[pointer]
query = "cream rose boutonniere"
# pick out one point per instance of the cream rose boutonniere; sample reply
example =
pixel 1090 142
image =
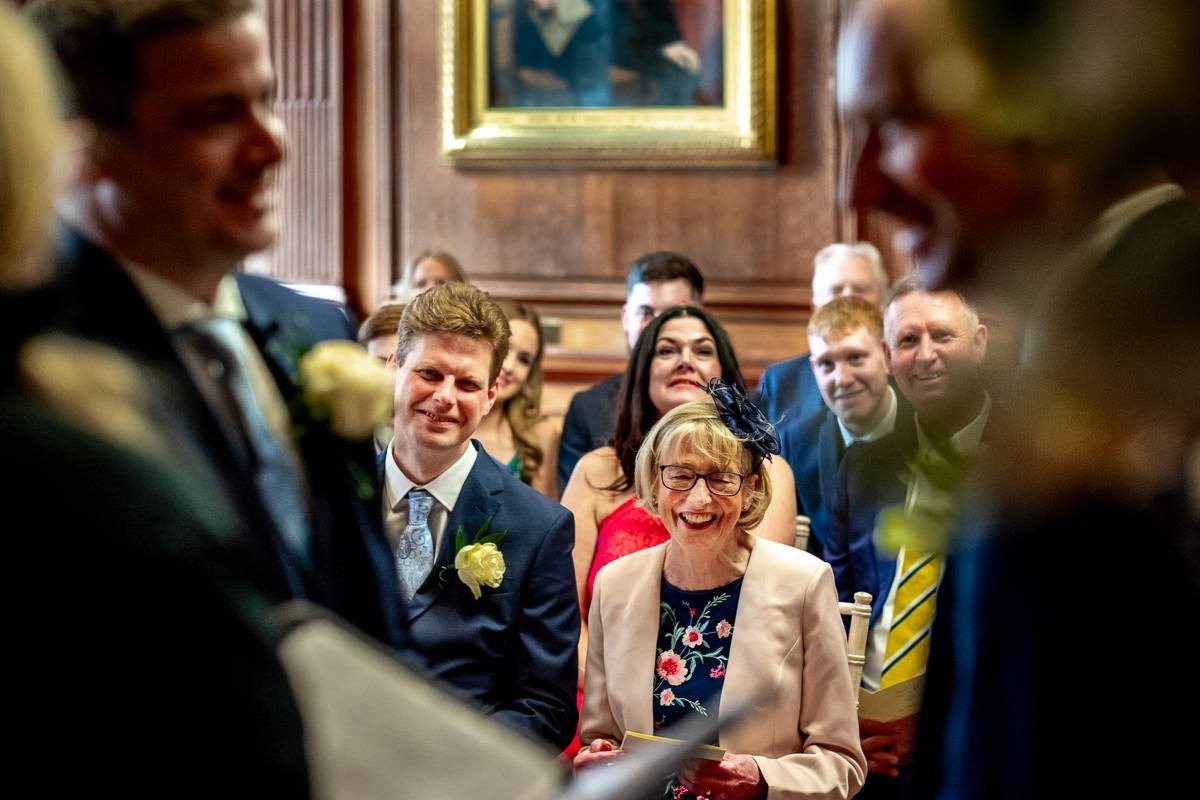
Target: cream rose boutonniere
pixel 479 563
pixel 347 387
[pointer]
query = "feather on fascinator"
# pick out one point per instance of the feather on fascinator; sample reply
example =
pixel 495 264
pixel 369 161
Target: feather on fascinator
pixel 744 419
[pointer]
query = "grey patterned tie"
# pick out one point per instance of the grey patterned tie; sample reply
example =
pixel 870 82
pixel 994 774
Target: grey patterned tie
pixel 221 340
pixel 414 552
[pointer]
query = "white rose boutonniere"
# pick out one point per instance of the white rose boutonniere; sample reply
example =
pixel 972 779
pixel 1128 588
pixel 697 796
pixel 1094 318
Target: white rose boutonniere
pixel 479 563
pixel 345 385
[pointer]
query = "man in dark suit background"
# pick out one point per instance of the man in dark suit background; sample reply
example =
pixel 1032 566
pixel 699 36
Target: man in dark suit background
pixel 655 282
pixel 1049 188
pixel 845 340
pixel 173 191
pixel 787 391
pixel 500 628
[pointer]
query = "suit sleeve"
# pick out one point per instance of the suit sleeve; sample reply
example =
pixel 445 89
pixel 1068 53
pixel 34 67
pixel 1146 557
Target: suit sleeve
pixel 545 669
pixel 837 545
pixel 575 441
pixel 597 720
pixel 764 393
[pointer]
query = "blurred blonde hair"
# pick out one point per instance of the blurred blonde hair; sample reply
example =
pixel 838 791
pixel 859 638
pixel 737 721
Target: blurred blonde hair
pixel 29 135
pixel 404 287
pixel 696 427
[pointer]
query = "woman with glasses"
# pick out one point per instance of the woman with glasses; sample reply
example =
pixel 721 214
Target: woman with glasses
pixel 716 620
pixel 674 358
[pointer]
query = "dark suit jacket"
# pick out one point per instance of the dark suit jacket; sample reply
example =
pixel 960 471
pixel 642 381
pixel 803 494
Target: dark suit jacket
pixel 350 551
pixel 872 475
pixel 140 621
pixel 514 650
pixel 587 425
pixel 813 448
pixel 787 391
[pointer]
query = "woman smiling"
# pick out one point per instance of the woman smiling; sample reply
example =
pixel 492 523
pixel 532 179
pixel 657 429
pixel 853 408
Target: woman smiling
pixel 716 616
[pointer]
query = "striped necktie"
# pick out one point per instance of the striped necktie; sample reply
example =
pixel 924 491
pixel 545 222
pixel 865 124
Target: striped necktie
pixel 908 639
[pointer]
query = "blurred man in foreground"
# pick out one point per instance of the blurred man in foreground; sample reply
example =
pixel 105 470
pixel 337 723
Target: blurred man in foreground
pixel 1024 144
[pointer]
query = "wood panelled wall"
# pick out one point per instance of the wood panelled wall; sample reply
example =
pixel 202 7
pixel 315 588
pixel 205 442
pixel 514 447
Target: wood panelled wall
pixel 366 188
pixel 306 48
pixel 563 238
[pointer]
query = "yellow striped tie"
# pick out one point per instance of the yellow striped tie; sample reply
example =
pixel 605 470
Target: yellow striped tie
pixel 908 639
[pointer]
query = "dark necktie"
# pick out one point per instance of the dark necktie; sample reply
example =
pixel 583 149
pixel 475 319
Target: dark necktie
pixel 222 341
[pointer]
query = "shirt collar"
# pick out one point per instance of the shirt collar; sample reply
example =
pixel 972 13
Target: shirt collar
pixel 885 426
pixel 445 488
pixel 967 440
pixel 174 307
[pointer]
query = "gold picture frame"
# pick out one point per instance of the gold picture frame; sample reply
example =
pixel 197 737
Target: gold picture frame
pixel 740 131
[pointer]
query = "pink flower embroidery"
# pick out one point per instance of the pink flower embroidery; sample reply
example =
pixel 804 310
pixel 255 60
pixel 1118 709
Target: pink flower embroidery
pixel 717 672
pixel 691 613
pixel 678 792
pixel 671 668
pixel 666 698
pixel 724 629
pixel 692 637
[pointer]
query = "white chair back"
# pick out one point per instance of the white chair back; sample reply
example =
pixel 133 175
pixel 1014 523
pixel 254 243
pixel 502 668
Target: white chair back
pixel 859 613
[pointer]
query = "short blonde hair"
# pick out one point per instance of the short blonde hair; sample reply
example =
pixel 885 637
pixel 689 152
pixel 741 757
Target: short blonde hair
pixel 29 137
pixel 455 308
pixel 696 427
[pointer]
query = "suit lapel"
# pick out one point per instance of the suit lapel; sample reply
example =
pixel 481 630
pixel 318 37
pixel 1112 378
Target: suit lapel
pixel 267 331
pixel 480 498
pixel 642 619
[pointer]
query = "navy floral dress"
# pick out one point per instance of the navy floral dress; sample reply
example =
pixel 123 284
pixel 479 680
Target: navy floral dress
pixel 695 633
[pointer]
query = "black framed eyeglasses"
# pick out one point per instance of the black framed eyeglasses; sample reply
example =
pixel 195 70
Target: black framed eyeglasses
pixel 679 478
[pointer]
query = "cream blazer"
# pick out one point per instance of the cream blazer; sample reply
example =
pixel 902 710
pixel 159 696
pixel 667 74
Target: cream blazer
pixel 788 657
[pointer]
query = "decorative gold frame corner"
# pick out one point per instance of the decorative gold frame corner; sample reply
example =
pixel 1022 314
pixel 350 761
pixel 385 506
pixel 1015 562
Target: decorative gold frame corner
pixel 742 133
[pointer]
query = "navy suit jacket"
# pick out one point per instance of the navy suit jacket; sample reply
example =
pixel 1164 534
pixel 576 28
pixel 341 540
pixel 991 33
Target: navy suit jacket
pixel 813 448
pixel 513 651
pixel 787 391
pixel 350 552
pixel 161 602
pixel 872 475
pixel 587 425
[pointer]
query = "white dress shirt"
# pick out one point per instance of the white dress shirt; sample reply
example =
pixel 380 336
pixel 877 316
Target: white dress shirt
pixel 445 489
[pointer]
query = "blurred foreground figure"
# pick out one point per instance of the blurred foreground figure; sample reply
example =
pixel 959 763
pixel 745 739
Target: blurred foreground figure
pixel 1041 153
pixel 145 661
pixel 175 189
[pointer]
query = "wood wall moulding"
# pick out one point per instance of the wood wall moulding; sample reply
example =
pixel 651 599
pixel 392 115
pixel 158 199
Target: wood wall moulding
pixel 573 291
